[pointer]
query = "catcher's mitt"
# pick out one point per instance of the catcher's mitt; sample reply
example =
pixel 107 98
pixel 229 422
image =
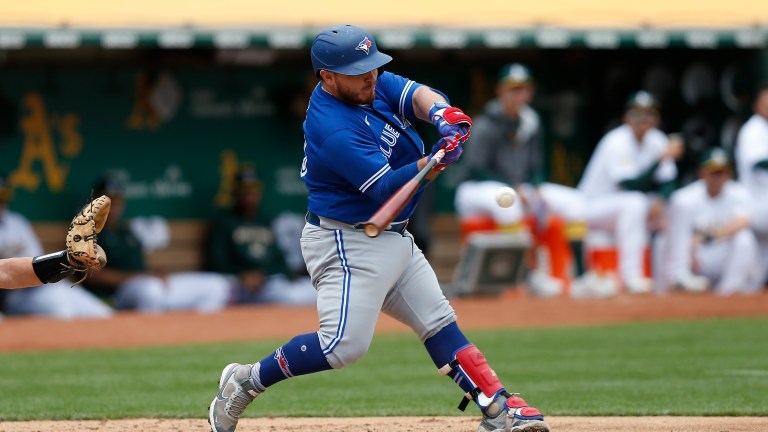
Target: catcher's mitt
pixel 83 253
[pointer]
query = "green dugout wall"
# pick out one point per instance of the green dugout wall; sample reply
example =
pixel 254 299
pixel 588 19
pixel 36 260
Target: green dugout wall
pixel 176 137
pixel 176 122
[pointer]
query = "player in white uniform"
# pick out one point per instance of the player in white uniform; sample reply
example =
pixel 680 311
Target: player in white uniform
pixel 709 241
pixel 631 169
pixel 752 170
pixel 58 299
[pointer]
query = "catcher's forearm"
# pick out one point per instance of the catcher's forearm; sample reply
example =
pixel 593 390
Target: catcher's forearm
pixel 52 267
pixel 17 273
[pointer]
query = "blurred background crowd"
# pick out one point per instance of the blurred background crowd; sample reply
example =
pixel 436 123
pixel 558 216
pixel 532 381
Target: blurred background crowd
pixel 637 145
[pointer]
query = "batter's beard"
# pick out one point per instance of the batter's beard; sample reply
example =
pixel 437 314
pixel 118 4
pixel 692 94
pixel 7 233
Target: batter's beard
pixel 355 98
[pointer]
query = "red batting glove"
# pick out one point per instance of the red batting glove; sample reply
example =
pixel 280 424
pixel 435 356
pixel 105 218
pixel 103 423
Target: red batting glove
pixel 450 122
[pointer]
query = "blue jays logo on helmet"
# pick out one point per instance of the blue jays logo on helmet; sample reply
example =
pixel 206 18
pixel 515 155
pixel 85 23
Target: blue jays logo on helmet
pixel 347 50
pixel 364 45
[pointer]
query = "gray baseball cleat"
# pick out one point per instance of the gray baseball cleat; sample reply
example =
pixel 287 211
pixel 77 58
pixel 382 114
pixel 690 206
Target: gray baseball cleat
pixel 236 391
pixel 510 413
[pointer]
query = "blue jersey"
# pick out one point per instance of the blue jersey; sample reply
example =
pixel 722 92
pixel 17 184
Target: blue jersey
pixel 348 148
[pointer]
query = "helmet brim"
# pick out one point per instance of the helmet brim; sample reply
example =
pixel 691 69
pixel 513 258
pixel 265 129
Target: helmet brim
pixel 374 61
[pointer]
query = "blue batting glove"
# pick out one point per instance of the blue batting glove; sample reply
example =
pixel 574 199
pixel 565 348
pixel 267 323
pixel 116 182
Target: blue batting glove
pixel 450 122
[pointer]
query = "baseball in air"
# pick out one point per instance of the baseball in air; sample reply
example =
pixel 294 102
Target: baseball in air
pixel 506 196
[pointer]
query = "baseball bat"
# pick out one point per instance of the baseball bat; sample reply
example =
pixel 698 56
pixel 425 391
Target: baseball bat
pixel 397 202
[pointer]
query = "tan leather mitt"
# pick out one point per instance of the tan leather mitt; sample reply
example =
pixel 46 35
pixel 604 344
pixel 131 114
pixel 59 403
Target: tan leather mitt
pixel 83 253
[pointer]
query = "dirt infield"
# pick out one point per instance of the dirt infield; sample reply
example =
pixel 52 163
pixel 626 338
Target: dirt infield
pixel 130 329
pixel 403 424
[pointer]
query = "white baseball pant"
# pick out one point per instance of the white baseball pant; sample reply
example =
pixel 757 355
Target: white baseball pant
pixel 200 291
pixel 625 215
pixel 730 263
pixel 475 198
pixel 357 277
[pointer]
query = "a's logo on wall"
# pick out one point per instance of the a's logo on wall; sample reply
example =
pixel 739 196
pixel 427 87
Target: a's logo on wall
pixel 40 149
pixel 227 171
pixel 364 46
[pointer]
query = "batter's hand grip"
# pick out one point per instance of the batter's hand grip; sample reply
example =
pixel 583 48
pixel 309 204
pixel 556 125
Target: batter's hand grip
pixel 397 202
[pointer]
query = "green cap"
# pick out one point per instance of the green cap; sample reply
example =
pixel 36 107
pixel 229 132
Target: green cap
pixel 642 100
pixel 246 178
pixel 715 159
pixel 515 75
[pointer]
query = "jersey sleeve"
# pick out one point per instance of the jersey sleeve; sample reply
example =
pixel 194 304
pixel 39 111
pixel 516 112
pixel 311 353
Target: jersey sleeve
pixel 752 148
pixel 538 171
pixel 667 170
pixel 398 92
pixel 609 159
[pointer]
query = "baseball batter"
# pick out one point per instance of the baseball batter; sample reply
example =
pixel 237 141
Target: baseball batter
pixel 709 241
pixel 360 147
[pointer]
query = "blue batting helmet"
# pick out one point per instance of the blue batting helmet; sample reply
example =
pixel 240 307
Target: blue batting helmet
pixel 347 50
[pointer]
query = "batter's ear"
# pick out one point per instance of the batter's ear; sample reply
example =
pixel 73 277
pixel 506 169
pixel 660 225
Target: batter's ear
pixel 325 75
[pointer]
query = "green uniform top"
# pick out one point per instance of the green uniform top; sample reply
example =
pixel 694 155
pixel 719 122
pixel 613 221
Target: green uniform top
pixel 124 253
pixel 239 244
pixel 123 248
pixel 506 150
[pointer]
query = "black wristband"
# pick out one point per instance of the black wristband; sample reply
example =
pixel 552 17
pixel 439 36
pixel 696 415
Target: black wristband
pixel 52 267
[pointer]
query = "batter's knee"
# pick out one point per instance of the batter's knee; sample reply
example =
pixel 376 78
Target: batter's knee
pixel 447 319
pixel 346 353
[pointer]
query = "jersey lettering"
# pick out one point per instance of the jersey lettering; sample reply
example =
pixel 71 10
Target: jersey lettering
pixel 304 162
pixel 389 135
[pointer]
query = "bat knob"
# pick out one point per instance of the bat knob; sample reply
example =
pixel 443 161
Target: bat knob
pixel 371 230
